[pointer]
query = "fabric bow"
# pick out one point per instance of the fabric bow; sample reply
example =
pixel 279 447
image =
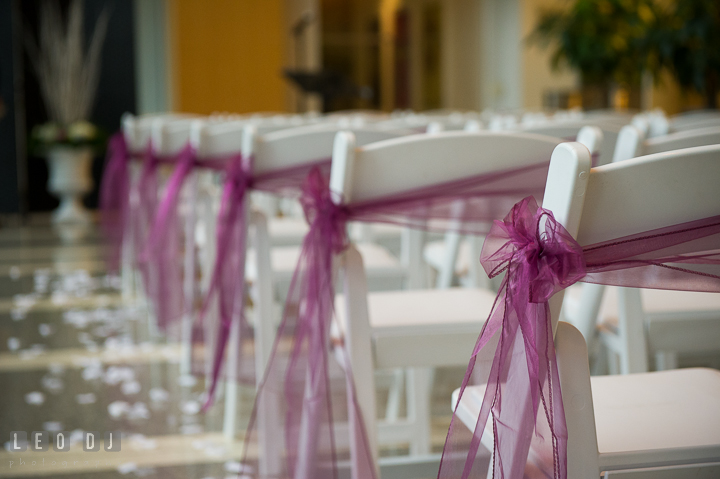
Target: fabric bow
pixel 540 258
pixel 325 217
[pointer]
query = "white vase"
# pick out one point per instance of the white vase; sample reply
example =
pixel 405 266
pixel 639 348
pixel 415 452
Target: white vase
pixel 70 180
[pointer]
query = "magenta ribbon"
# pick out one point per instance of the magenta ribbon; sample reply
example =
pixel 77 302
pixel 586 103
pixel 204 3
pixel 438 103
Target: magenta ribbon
pixel 161 251
pixel 303 378
pixel 228 277
pixel 114 197
pixel 310 449
pixel 227 281
pixel 541 258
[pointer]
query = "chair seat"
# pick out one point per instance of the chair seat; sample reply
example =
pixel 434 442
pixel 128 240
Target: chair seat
pixel 666 417
pixel 680 321
pixel 435 327
pixel 434 254
pixel 655 418
pixel 378 262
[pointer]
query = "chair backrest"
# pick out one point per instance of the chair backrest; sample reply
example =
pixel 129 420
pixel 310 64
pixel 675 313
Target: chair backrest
pixel 403 164
pixel 170 137
pixel 631 145
pixel 705 122
pixel 297 146
pixel 682 139
pixel 694 116
pixel 213 140
pixel 138 130
pixel 570 129
pixel 636 195
pixel 609 202
pixel 584 317
pixel 659 125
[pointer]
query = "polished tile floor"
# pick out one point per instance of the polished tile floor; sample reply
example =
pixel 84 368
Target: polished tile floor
pixel 74 357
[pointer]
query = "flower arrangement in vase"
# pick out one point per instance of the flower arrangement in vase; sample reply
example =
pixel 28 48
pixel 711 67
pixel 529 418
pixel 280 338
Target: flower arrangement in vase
pixel 68 75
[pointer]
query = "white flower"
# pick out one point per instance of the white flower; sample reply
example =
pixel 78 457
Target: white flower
pixel 35 398
pixel 81 131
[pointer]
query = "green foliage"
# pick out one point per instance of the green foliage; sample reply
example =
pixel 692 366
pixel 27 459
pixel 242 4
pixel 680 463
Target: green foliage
pixel 616 40
pixel 689 44
pixel 77 134
pixel 604 39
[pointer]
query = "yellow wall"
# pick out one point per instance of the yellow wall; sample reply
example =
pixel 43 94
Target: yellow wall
pixel 227 55
pixel 538 76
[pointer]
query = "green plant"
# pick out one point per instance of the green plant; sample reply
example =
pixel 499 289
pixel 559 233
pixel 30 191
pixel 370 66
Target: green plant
pixel 605 40
pixel 77 134
pixel 688 43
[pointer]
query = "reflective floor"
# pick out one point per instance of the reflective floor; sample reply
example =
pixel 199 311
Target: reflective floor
pixel 74 356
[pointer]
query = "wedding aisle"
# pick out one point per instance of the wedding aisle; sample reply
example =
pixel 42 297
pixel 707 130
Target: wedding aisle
pixel 75 356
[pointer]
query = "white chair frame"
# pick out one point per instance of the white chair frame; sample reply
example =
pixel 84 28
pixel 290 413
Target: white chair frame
pixel 642 420
pixel 390 166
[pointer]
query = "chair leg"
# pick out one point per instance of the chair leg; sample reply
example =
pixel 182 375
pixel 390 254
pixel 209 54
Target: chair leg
pixel 447 271
pixel 392 411
pixel 231 387
pixel 477 276
pixel 599 358
pixel 412 250
pixel 127 269
pixel 613 362
pixel 665 360
pixel 418 408
pixel 632 331
pixel 269 435
pixel 189 279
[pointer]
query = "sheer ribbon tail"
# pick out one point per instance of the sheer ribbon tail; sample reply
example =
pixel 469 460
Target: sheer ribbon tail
pixel 115 198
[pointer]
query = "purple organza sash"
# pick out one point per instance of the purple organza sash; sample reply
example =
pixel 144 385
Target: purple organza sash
pixel 301 371
pixel 227 281
pixel 160 252
pixel 523 397
pixel 228 277
pixel 115 197
pixel 118 212
pixel 540 259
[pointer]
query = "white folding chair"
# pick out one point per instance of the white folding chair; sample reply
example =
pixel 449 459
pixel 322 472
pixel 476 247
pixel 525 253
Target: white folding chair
pixel 312 144
pixel 455 257
pixel 681 139
pixel 137 131
pixel 633 421
pixel 271 152
pixel 637 324
pixel 696 121
pixel 417 329
pixel 569 129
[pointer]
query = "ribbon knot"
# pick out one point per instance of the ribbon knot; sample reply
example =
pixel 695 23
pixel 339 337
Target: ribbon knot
pixel 237 178
pixel 541 257
pixel 324 215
